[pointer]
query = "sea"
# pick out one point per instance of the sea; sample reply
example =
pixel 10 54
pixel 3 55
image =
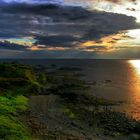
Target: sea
pixel 117 80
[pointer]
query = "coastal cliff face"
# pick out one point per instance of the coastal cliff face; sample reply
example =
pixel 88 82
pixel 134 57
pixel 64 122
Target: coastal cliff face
pixel 51 103
pixel 17 82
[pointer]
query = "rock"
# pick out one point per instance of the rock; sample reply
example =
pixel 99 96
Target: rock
pixel 108 81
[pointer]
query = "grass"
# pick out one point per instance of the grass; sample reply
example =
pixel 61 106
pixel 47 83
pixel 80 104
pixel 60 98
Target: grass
pixel 17 82
pixel 10 127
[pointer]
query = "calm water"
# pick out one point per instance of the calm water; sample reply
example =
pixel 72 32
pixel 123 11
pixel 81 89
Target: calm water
pixel 124 77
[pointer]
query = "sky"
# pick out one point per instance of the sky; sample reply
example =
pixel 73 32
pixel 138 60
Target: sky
pixel 93 29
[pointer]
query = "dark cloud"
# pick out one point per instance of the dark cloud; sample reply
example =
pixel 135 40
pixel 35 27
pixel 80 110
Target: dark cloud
pixel 58 26
pixel 24 20
pixel 57 40
pixel 110 23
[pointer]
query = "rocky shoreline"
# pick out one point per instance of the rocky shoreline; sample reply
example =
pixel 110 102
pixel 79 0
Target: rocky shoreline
pixel 59 107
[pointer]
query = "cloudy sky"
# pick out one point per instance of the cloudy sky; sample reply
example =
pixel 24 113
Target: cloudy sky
pixel 70 29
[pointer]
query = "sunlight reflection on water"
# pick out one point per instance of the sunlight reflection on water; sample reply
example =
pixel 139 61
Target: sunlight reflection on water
pixel 135 89
pixel 136 65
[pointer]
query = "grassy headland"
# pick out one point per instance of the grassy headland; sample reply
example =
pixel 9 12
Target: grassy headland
pixel 17 83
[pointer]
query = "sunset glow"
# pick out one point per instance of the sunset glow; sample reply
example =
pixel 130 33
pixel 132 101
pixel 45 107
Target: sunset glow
pixel 70 69
pixel 136 65
pixel 98 29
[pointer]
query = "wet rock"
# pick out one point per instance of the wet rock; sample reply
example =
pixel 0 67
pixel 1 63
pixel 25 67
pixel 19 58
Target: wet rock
pixel 108 81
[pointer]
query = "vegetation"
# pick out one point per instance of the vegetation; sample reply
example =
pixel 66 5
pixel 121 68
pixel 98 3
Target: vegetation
pixel 10 127
pixel 13 75
pixel 16 82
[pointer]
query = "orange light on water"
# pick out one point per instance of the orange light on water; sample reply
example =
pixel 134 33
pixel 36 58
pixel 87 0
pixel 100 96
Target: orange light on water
pixel 134 89
pixel 136 65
